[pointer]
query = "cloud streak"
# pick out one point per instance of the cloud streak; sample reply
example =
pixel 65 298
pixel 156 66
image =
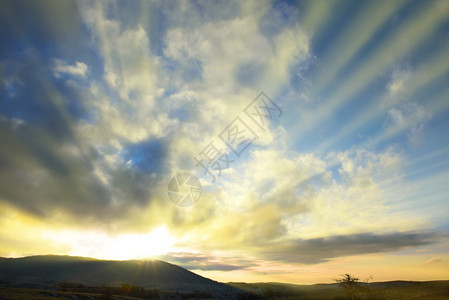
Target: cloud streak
pixel 320 250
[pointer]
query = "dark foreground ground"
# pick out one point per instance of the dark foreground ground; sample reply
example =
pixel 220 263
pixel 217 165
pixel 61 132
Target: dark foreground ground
pixel 431 290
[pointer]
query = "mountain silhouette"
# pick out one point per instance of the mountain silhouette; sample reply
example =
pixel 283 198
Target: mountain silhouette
pixel 151 274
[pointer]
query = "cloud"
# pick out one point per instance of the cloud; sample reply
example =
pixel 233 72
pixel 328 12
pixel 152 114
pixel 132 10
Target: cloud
pixel 207 262
pixel 13 123
pixel 57 164
pixel 411 117
pixel 275 198
pixel 254 62
pixel 214 267
pixel 353 38
pixel 399 84
pixel 55 24
pixel 400 41
pixel 319 250
pixel 434 261
pixel 50 175
pixel 77 69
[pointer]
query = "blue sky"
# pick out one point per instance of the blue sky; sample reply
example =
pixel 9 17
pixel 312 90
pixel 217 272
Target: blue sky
pixel 102 103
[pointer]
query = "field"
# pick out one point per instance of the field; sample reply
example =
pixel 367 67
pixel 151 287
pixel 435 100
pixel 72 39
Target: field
pixel 431 290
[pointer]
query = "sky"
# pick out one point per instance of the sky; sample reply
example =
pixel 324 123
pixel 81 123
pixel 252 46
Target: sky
pixel 257 141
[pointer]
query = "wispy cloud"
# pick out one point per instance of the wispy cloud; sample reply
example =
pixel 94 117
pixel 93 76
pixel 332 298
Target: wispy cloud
pixel 434 261
pixel 77 69
pixel 411 117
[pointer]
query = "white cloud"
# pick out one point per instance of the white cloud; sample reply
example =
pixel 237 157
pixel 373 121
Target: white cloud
pixel 217 48
pixel 398 84
pixel 401 86
pixel 77 69
pixel 131 72
pixel 278 196
pixel 411 117
pixel 237 62
pixel 404 113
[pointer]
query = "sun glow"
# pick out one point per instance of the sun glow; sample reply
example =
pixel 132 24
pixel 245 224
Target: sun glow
pixel 119 247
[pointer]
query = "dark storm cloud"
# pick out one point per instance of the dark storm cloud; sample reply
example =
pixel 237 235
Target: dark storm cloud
pixel 53 25
pixel 36 99
pixel 39 174
pixel 320 250
pixel 46 165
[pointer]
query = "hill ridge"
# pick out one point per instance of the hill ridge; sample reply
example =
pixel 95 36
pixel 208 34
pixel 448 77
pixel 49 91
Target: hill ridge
pixel 148 273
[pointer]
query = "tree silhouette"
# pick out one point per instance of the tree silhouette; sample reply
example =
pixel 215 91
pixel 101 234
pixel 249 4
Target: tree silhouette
pixel 349 283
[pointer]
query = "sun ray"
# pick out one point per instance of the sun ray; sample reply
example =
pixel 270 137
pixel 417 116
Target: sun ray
pixel 399 43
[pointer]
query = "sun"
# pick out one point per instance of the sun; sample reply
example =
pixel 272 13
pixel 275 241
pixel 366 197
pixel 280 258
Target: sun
pixel 117 247
pixel 130 246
